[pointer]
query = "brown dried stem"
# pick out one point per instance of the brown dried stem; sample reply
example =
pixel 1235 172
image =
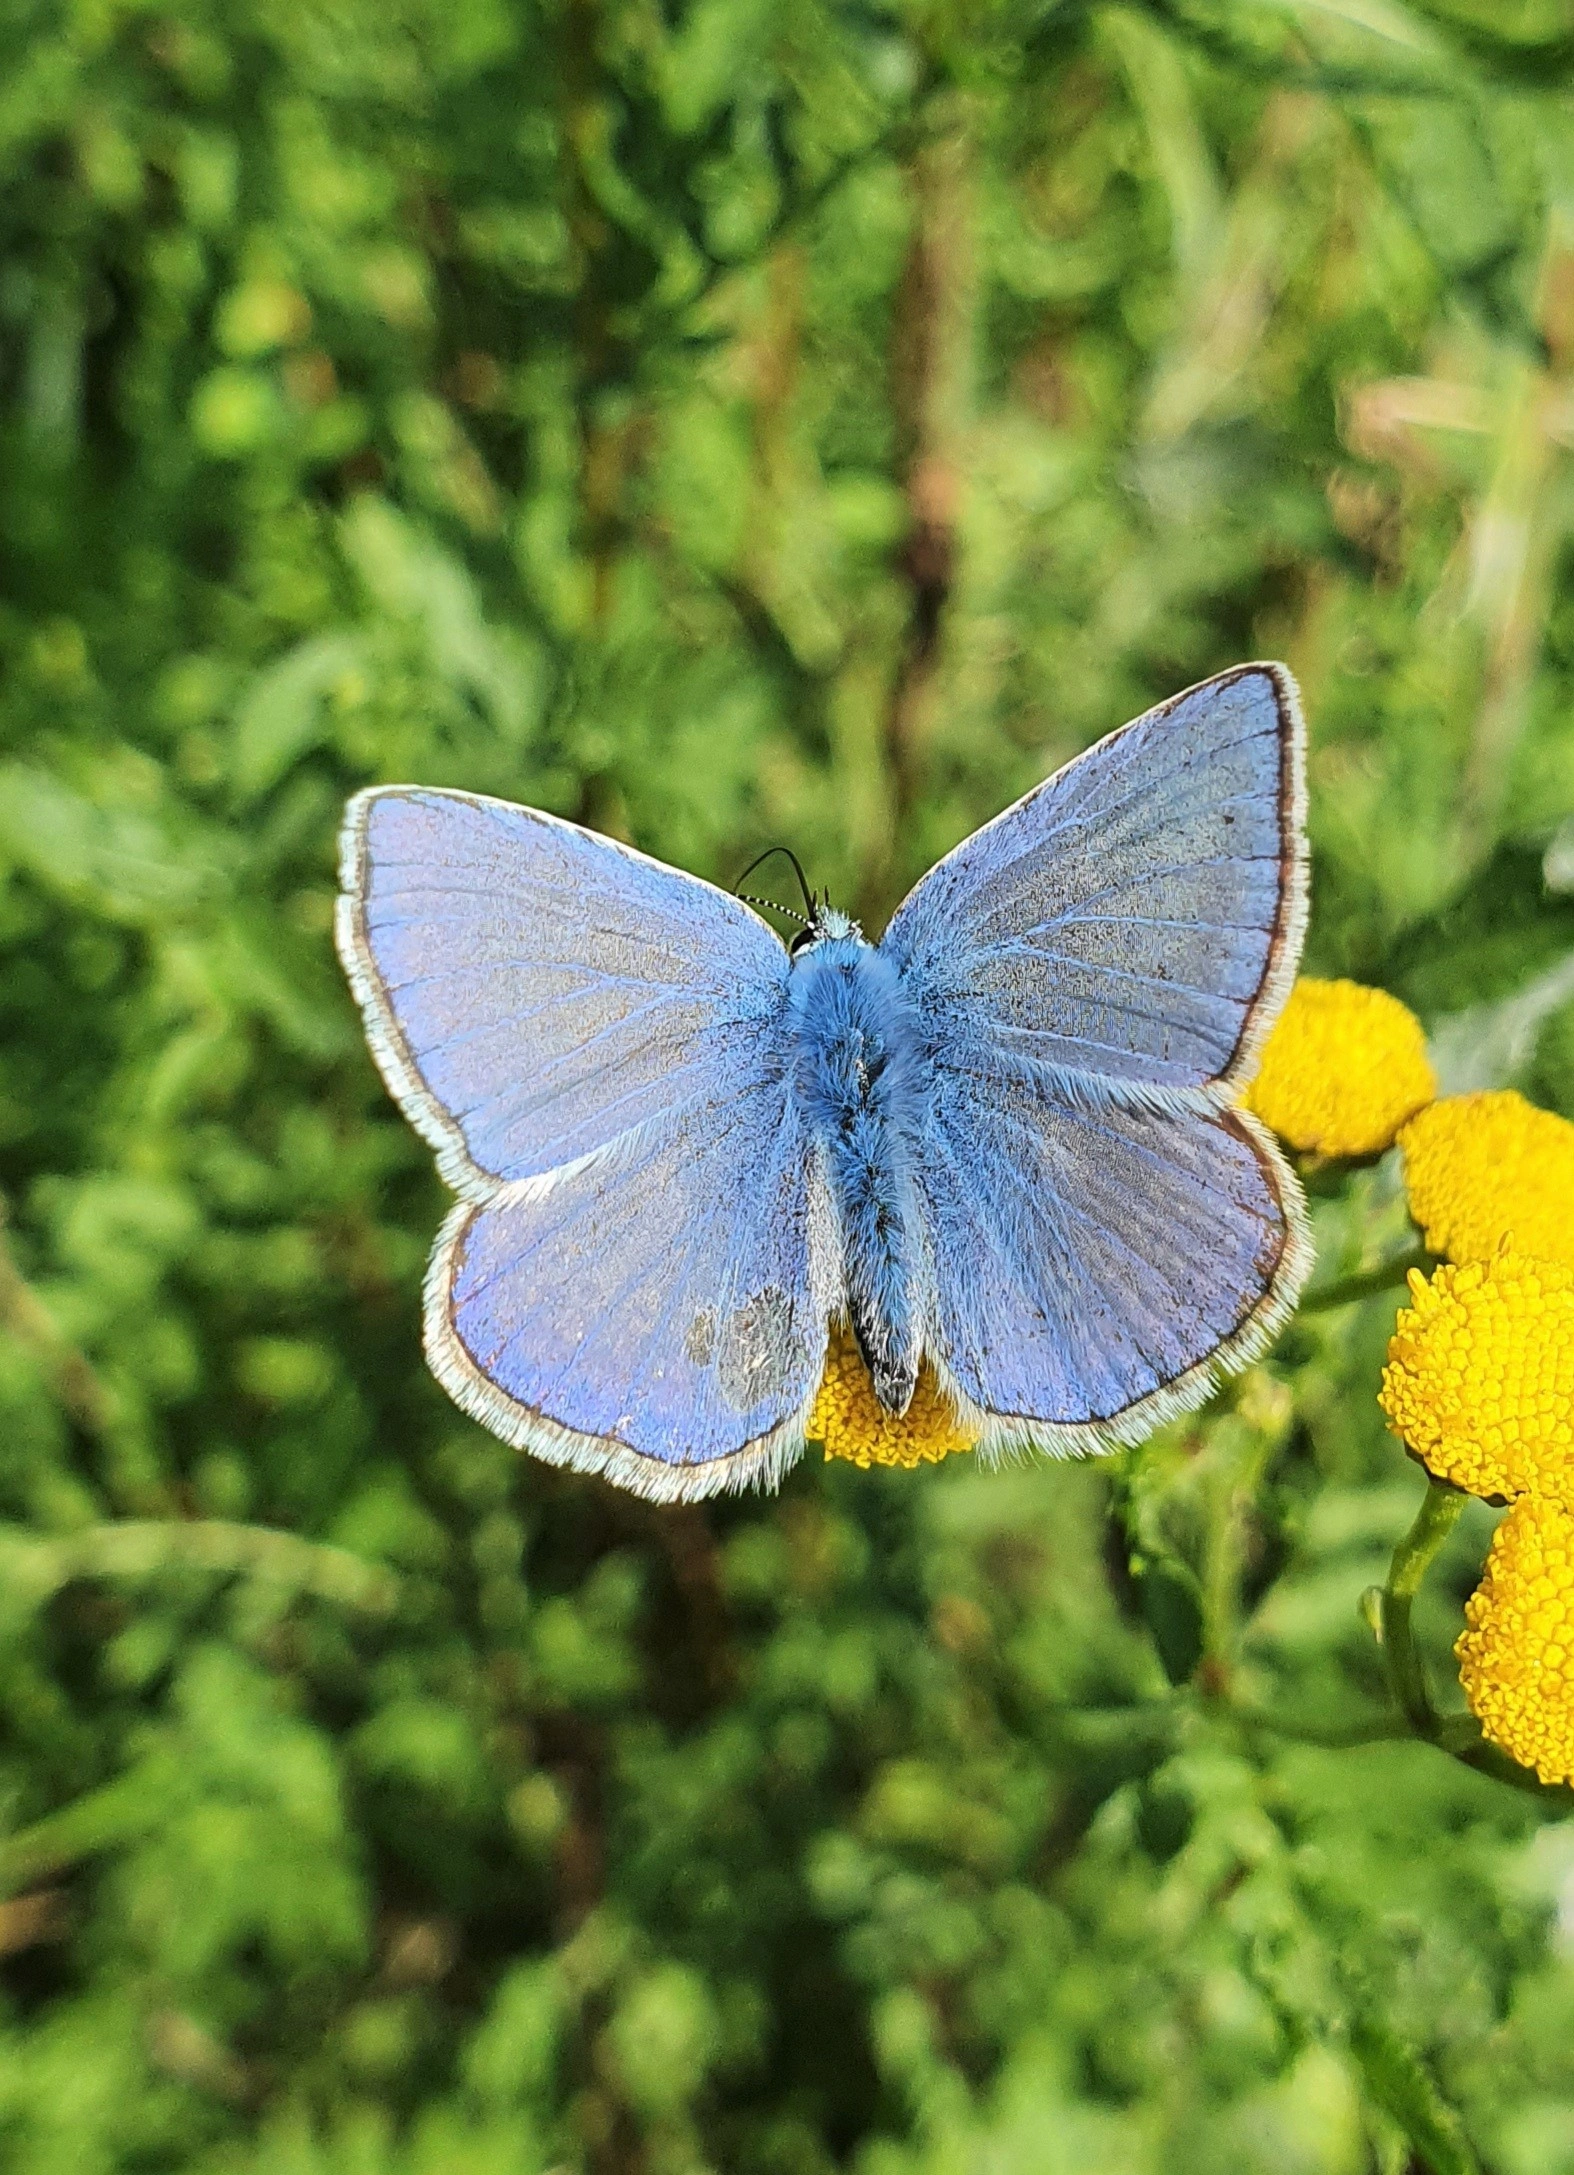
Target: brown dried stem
pixel 930 372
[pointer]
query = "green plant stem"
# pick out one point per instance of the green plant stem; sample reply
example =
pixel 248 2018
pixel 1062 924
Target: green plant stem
pixel 1232 1498
pixel 1387 1276
pixel 1434 1521
pixel 25 1315
pixel 143 1548
pixel 114 1814
pixel 1460 1737
pixel 1327 1737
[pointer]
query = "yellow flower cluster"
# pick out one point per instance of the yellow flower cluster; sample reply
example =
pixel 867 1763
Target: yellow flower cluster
pixel 1343 1069
pixel 1516 1653
pixel 850 1422
pixel 1480 1376
pixel 1480 1383
pixel 1482 1169
pixel 1480 1373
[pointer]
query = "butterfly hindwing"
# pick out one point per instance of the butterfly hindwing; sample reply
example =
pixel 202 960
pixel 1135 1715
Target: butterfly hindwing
pixel 636 1279
pixel 652 1316
pixel 1096 1268
pixel 1095 971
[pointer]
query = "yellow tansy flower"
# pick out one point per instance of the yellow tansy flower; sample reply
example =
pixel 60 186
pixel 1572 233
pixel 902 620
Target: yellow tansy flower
pixel 1516 1653
pixel 1343 1069
pixel 1480 1376
pixel 1483 1168
pixel 849 1420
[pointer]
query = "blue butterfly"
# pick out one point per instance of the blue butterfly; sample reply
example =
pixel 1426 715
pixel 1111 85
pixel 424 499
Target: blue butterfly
pixel 1005 1139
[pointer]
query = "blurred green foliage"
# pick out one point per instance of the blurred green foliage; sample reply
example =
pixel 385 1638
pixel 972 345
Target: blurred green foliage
pixel 722 422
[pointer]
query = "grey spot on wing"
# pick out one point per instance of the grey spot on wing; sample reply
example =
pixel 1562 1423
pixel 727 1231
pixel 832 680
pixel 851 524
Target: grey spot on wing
pixel 757 1352
pixel 700 1343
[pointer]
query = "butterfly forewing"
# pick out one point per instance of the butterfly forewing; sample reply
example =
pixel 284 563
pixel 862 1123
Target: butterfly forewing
pixel 1136 916
pixel 533 992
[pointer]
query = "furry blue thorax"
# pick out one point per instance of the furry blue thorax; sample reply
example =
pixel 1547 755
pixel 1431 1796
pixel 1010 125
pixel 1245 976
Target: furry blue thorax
pixel 862 1081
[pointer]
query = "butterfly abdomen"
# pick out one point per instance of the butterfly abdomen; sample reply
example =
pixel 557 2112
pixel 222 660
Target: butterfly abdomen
pixel 860 1075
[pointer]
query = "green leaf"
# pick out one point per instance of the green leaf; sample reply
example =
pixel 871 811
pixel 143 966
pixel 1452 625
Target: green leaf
pixel 1498 931
pixel 1404 2088
pixel 280 717
pixel 1171 1603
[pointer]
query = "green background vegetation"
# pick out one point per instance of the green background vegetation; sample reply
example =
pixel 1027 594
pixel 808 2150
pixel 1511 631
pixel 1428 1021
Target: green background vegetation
pixel 723 423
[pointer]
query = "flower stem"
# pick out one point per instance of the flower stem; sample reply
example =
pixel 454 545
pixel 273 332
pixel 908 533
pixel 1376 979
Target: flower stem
pixel 1327 1736
pixel 1434 1521
pixel 1387 1276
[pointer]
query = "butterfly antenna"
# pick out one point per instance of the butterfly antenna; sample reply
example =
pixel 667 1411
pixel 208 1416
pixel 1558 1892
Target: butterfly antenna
pixel 791 913
pixel 803 882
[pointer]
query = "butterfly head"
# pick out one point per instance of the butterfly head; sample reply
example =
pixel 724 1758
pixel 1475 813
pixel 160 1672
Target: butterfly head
pixel 820 921
pixel 826 921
